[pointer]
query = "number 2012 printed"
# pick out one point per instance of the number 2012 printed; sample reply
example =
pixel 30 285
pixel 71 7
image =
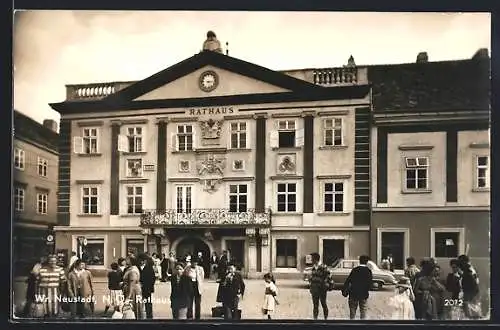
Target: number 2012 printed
pixel 453 302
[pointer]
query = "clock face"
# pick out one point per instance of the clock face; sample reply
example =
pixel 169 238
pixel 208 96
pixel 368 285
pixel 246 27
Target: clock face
pixel 208 81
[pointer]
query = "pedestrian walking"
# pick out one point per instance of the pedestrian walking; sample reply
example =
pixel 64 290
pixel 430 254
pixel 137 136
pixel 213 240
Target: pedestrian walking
pixel 132 287
pixel 115 296
pixel 426 286
pixel 357 288
pixel 80 290
pixel 439 292
pixel 72 260
pixel 164 267
pixel 214 261
pixel 51 282
pixel 31 286
pixel 223 265
pixel 402 301
pixel 197 275
pixel 180 293
pixel 470 288
pixel 156 265
pixel 454 288
pixel 147 279
pixel 411 270
pixel 233 289
pixel 321 283
pixel 270 296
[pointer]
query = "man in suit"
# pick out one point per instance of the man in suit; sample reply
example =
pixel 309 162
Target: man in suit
pixel 214 260
pixel 147 280
pixel 357 287
pixel 222 265
pixel 80 289
pixel 180 292
pixel 164 264
pixel 233 290
pixel 196 274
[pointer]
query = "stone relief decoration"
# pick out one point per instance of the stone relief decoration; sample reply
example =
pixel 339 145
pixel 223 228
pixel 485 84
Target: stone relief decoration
pixel 238 165
pixel 184 166
pixel 286 164
pixel 211 166
pixel 211 185
pixel 210 131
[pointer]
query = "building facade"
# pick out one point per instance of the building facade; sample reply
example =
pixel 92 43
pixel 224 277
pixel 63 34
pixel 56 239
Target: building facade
pixel 34 200
pixel 214 154
pixel 431 164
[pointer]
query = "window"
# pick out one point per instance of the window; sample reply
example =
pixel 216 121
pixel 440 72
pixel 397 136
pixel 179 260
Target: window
pixel 42 166
pixel 333 132
pixel 417 173
pixel 286 253
pixel 19 159
pixel 135 246
pixel 134 168
pixel 287 198
pixel 446 244
pixel 134 136
pixel 42 199
pixel 90 140
pixel 134 199
pixel 90 200
pixel 184 199
pixel 92 253
pixel 286 131
pixel 19 194
pixel 238 198
pixel 334 197
pixel 238 135
pixel 184 138
pixel 482 172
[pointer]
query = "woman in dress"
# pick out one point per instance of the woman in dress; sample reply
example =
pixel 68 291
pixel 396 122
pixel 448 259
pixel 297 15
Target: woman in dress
pixel 270 296
pixel 132 286
pixel 426 287
pixel 402 302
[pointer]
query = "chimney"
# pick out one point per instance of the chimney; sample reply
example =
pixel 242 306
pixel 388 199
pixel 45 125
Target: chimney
pixel 50 124
pixel 422 57
pixel 481 54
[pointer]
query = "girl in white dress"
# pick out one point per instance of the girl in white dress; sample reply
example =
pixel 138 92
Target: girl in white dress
pixel 402 301
pixel 270 296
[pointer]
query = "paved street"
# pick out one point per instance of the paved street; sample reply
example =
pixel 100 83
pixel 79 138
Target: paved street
pixel 295 301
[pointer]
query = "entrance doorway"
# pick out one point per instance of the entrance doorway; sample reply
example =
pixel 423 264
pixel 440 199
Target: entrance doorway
pixel 333 249
pixel 393 242
pixel 236 250
pixel 192 246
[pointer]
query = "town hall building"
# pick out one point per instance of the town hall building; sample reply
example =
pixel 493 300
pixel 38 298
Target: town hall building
pixel 215 153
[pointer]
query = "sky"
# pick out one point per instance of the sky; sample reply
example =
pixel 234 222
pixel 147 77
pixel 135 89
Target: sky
pixel 55 48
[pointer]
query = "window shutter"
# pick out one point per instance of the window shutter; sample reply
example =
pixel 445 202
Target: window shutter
pixel 248 138
pixel 144 139
pixel 299 137
pixel 173 142
pixel 195 139
pixel 122 143
pixel 274 139
pixel 78 145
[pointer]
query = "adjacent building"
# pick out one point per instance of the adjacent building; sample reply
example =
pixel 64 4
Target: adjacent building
pixel 431 163
pixel 215 153
pixel 34 200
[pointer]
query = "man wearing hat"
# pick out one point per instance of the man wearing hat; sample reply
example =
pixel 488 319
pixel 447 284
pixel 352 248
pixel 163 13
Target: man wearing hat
pixel 402 302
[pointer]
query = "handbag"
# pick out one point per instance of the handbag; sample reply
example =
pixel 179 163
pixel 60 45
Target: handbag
pixel 128 311
pixel 37 310
pixel 217 311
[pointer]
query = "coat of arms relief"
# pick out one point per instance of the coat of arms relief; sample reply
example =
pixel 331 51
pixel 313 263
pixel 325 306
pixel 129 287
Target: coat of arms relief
pixel 213 167
pixel 211 131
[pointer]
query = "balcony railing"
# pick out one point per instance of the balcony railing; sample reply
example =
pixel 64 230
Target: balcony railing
pixel 94 91
pixel 205 217
pixel 335 76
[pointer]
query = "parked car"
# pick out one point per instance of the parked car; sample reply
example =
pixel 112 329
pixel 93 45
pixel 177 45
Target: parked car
pixel 341 269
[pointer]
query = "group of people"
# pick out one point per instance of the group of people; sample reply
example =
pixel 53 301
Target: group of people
pixel 420 294
pixel 456 297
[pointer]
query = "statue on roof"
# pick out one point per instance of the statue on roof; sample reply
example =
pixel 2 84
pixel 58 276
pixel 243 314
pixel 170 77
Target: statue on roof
pixel 212 43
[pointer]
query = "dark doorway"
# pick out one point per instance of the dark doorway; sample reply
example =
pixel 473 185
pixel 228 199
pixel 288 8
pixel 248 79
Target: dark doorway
pixel 394 243
pixel 333 249
pixel 236 250
pixel 193 246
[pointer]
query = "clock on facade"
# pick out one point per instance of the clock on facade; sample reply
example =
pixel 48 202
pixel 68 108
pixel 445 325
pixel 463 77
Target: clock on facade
pixel 209 80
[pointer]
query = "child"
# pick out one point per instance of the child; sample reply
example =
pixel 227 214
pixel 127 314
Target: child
pixel 402 302
pixel 114 286
pixel 270 296
pixel 117 314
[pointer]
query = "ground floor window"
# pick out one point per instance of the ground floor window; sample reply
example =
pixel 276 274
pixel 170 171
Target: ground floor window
pixel 286 253
pixel 446 244
pixel 135 246
pixel 93 252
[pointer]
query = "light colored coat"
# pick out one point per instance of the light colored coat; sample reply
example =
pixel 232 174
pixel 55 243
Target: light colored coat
pixel 198 273
pixel 84 281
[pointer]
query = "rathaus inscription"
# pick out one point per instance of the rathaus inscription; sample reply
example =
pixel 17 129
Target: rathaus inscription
pixel 210 111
